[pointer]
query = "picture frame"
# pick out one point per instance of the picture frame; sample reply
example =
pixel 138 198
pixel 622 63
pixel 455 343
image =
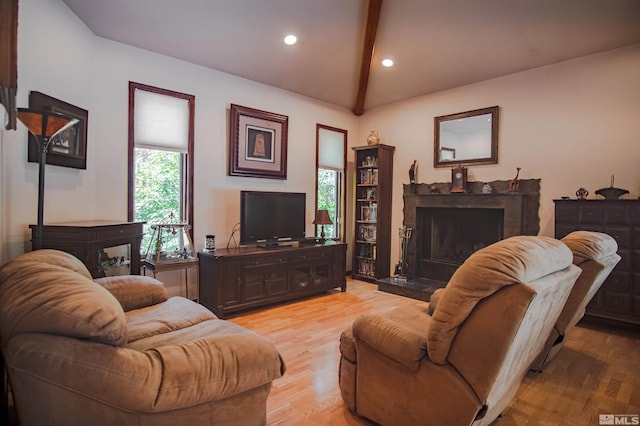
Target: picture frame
pixel 69 148
pixel 257 143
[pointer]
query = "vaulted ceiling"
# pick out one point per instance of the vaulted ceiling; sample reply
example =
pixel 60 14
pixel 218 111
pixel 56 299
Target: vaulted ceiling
pixel 435 44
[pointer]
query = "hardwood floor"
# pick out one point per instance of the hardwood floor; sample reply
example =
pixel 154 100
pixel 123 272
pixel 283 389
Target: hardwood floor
pixel 597 372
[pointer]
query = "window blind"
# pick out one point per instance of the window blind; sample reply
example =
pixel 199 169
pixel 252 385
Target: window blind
pixel 161 121
pixel 330 149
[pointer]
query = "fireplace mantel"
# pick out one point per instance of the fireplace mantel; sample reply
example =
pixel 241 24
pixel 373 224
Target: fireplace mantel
pixel 520 209
pixel 519 217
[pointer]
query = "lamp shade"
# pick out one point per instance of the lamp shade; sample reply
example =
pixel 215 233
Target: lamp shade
pixel 322 218
pixel 45 123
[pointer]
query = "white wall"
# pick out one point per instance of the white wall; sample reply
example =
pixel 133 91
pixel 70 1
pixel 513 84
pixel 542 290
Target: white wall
pixel 572 124
pixel 54 57
pixel 93 73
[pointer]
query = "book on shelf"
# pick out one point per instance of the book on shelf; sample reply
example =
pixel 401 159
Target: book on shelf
pixel 369 177
pixel 366 232
pixel 366 267
pixel 369 212
pixel 367 251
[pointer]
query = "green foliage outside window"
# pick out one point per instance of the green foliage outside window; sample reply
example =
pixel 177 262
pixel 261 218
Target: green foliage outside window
pixel 328 198
pixel 157 188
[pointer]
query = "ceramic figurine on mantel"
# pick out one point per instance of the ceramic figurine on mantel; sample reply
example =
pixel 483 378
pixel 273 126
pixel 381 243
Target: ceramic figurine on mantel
pixel 412 173
pixel 514 184
pixel 611 193
pixel 412 177
pixel 582 194
pixel 373 138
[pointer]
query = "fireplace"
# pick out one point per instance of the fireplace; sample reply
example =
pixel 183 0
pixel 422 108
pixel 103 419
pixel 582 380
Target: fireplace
pixel 448 228
pixel 450 235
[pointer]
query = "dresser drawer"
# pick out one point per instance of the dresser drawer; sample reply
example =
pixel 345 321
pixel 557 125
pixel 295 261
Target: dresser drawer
pixel 623 236
pixel 618 215
pixel 260 262
pixel 592 215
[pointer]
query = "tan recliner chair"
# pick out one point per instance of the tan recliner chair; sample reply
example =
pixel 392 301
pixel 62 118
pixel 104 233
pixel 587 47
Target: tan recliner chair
pixel 595 254
pixel 121 352
pixel 463 364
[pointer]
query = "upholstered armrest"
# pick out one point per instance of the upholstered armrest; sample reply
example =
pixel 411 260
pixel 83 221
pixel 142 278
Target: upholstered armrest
pixel 165 378
pixel 392 339
pixel 134 291
pixel 219 366
pixel 435 298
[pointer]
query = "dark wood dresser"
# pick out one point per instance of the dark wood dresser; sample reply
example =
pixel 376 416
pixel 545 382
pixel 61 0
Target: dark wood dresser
pixel 619 297
pixel 235 280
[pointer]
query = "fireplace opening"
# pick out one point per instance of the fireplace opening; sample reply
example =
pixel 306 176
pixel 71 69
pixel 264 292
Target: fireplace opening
pixel 450 235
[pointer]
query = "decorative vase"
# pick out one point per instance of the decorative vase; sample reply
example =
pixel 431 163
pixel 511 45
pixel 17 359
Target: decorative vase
pixel 373 138
pixel 582 194
pixel 486 189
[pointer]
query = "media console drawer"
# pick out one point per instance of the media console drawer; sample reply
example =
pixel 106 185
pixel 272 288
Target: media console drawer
pixel 236 280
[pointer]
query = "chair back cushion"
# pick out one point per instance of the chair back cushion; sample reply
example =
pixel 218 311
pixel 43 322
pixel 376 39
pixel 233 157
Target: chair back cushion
pixel 596 255
pixel 511 261
pixel 48 292
pixel 58 258
pixel 589 245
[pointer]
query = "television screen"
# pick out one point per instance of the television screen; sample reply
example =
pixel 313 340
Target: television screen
pixel 269 217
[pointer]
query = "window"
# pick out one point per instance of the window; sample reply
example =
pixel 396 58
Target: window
pixel 331 146
pixel 160 156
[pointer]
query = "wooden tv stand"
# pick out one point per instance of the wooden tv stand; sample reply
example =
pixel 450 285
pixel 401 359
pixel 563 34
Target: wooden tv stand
pixel 240 279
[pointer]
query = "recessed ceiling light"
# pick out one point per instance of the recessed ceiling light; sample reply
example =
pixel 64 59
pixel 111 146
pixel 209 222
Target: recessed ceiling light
pixel 387 62
pixel 290 39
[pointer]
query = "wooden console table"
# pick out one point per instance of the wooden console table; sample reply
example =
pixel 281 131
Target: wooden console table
pixel 87 240
pixel 234 280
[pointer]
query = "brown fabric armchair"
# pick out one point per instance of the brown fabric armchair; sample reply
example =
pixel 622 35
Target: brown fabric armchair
pixel 595 254
pixel 118 351
pixel 463 364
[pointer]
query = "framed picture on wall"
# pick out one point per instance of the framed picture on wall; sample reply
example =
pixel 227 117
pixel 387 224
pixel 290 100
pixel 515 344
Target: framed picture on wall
pixel 69 148
pixel 257 143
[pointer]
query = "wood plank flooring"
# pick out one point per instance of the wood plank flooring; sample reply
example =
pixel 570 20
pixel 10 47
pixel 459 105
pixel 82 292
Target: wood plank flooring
pixel 598 371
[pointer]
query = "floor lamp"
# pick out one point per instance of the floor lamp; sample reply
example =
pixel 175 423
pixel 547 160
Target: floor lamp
pixel 43 125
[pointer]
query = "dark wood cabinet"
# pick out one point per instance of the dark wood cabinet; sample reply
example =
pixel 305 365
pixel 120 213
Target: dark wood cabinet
pixel 105 247
pixel 235 280
pixel 619 297
pixel 372 228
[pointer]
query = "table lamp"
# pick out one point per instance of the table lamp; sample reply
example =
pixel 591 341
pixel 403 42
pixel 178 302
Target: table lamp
pixel 44 125
pixel 322 218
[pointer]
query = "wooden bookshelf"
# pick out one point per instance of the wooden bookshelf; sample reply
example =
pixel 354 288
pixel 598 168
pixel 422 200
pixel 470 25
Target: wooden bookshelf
pixel 372 228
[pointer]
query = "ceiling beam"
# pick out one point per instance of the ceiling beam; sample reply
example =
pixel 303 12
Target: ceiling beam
pixel 373 17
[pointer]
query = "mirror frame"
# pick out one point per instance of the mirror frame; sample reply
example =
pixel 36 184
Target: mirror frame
pixel 493 159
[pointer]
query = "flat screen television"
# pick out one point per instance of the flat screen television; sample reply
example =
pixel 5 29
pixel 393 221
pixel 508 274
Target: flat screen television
pixel 268 218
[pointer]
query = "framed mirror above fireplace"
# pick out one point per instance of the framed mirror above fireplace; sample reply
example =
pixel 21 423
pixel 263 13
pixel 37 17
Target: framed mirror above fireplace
pixel 469 137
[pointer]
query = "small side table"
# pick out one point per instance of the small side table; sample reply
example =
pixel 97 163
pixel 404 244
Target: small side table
pixel 172 266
